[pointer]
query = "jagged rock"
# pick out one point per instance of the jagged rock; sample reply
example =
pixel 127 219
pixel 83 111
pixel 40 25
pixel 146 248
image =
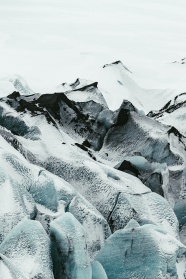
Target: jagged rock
pixel 128 167
pixel 152 175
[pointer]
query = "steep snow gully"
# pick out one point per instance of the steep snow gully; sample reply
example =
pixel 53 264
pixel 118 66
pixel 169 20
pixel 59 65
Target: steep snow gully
pixel 92 180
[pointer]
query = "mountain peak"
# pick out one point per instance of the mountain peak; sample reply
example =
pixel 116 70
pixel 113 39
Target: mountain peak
pixel 118 62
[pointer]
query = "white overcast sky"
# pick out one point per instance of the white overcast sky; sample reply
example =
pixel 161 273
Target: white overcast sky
pixel 51 41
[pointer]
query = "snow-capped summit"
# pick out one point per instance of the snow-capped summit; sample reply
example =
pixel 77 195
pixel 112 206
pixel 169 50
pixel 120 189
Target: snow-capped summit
pixel 118 62
pixel 14 83
pixel 118 83
pixel 115 82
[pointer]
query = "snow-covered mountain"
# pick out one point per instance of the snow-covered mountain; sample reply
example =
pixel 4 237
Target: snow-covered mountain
pixel 89 192
pixel 117 83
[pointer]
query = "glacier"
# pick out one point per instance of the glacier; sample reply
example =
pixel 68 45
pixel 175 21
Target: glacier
pixel 92 139
pixel 68 249
pixel 140 252
pixel 87 192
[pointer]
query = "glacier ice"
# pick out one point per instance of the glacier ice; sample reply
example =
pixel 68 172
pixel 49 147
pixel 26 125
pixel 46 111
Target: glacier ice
pixel 180 210
pixel 140 252
pixel 95 226
pixel 27 246
pixel 98 271
pixel 68 248
pixel 57 167
pixel 8 270
pixel 15 204
pixel 43 191
pixel 69 200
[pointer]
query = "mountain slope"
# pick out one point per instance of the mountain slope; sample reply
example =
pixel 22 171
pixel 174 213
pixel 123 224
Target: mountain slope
pixel 117 83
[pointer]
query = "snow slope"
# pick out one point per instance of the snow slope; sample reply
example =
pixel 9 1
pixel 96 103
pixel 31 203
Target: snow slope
pixel 59 41
pixel 13 83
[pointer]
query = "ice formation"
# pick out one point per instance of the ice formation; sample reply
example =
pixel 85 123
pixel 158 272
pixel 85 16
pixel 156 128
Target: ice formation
pixel 87 192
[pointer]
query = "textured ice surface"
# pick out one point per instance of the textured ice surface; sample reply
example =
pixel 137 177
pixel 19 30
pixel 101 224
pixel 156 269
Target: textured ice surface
pixel 176 118
pixel 8 270
pixel 140 252
pixel 43 191
pixel 52 195
pixel 76 194
pixel 95 226
pixel 142 136
pixel 15 204
pixel 68 247
pixel 113 193
pixel 69 200
pixel 180 210
pixel 107 189
pixel 28 247
pixel 118 196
